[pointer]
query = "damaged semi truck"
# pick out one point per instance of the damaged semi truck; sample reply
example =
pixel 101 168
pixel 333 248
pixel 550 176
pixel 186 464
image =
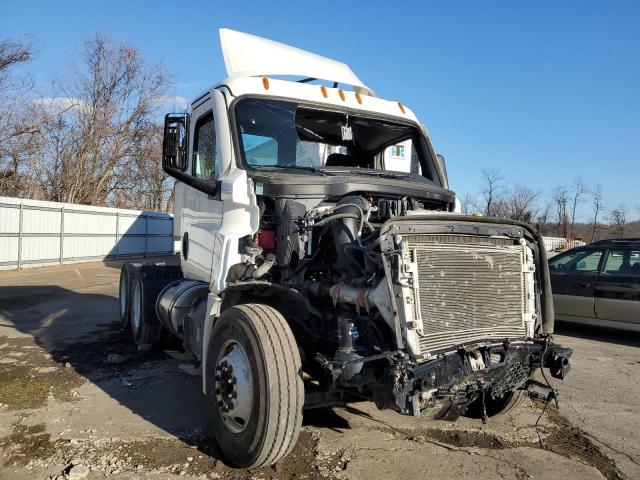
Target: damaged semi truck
pixel 323 260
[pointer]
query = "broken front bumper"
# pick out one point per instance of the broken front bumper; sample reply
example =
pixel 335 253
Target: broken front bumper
pixel 446 385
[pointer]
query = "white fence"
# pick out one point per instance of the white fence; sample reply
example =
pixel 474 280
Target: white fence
pixel 35 233
pixel 559 243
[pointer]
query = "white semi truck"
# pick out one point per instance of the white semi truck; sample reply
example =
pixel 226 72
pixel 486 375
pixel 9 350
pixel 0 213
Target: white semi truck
pixel 323 260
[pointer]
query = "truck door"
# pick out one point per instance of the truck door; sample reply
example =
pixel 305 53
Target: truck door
pixel 617 294
pixel 574 276
pixel 201 213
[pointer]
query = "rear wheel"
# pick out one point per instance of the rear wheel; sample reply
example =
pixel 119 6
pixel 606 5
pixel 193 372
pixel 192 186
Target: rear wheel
pixel 254 388
pixel 145 328
pixel 125 294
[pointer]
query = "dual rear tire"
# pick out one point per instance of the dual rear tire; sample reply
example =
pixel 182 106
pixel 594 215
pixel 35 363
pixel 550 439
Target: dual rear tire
pixel 145 328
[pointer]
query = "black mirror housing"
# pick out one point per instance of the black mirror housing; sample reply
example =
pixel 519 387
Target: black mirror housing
pixel 443 167
pixel 175 143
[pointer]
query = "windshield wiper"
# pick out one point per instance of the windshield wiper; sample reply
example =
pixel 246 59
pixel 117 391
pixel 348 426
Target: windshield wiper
pixel 375 173
pixel 315 170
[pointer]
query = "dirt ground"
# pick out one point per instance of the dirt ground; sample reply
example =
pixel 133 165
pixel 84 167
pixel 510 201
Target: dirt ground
pixel 77 400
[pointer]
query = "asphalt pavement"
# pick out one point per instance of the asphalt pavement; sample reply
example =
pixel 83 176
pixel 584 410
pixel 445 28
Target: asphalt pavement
pixel 78 400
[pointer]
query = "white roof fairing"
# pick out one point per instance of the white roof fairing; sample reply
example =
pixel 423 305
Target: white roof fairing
pixel 247 55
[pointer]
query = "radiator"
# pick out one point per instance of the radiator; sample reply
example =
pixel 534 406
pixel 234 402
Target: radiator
pixel 469 288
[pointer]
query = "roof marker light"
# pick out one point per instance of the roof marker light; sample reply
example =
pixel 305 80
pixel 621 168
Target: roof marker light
pixel 359 98
pixel 265 83
pixel 323 89
pixel 341 93
pixel 401 107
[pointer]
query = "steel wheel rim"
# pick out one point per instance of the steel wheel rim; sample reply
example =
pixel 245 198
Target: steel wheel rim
pixel 233 386
pixel 135 307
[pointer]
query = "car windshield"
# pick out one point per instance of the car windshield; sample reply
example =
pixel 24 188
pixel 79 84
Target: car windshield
pixel 282 135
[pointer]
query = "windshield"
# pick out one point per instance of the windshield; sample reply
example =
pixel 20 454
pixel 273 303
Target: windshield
pixel 281 135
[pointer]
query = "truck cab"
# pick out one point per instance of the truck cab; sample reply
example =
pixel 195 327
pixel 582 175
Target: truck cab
pixel 323 258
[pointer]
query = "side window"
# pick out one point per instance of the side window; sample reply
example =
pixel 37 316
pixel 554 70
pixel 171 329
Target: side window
pixel 623 262
pixel 204 148
pixel 581 261
pixel 402 157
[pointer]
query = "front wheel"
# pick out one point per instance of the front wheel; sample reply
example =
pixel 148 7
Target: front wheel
pixel 254 386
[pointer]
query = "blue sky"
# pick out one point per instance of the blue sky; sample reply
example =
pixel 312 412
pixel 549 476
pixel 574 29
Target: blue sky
pixel 543 91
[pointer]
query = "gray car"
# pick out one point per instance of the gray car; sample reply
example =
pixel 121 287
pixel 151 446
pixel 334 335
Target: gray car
pixel 598 284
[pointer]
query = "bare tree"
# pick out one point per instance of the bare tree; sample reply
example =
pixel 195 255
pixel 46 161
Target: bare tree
pixel 101 143
pixel 520 204
pixel 560 197
pixel 492 191
pixel 596 198
pixel 468 205
pixel 578 189
pixel 542 218
pixel 16 123
pixel 618 219
pixel 13 52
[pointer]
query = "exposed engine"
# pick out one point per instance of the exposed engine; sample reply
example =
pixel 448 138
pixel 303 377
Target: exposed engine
pixel 387 299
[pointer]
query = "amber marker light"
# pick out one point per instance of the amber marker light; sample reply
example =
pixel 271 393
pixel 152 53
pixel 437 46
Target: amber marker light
pixel 265 83
pixel 359 98
pixel 341 93
pixel 401 107
pixel 323 89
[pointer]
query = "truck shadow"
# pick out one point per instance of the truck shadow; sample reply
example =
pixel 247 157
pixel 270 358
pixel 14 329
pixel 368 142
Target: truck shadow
pixel 82 332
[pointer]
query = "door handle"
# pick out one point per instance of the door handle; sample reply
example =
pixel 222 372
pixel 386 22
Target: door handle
pixel 583 284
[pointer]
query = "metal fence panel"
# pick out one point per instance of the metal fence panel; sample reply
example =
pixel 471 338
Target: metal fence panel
pixel 42 233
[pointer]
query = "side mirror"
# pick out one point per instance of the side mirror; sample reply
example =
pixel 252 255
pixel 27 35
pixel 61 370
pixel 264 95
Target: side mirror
pixel 175 144
pixel 442 166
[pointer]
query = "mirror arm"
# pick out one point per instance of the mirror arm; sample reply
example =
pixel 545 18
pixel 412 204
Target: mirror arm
pixel 210 188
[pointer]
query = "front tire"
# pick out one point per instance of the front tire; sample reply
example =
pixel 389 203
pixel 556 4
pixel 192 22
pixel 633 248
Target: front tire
pixel 254 387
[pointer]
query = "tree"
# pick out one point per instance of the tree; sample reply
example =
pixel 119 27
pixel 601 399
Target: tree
pixel 542 218
pixel 596 197
pixel 17 124
pixel 519 204
pixel 618 219
pixel 492 191
pixel 103 145
pixel 12 53
pixel 560 197
pixel 468 205
pixel 578 189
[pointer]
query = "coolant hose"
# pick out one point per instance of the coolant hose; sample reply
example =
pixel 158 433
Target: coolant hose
pixel 265 267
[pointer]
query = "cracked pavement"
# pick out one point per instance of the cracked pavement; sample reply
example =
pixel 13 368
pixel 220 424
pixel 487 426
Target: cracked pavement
pixel 66 413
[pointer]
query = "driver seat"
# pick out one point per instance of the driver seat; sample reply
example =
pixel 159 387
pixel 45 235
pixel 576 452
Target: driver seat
pixel 340 160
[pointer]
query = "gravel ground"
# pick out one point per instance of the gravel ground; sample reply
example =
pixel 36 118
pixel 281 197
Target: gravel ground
pixel 77 400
